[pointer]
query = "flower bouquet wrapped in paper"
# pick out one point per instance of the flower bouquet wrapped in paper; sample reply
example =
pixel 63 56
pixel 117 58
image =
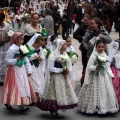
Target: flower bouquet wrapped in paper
pixel 101 62
pixel 46 52
pixel 73 57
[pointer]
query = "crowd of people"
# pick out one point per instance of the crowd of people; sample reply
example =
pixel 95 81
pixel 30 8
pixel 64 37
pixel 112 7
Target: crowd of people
pixel 37 59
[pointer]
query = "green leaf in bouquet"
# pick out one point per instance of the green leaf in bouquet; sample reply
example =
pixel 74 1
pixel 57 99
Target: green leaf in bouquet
pixel 48 52
pixel 70 54
pixel 30 51
pixel 21 61
pixel 102 70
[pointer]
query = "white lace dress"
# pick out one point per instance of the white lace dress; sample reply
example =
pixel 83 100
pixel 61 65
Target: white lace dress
pixel 61 95
pixel 97 95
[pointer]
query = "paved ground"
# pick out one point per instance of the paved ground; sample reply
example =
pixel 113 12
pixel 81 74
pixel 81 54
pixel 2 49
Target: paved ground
pixel 35 114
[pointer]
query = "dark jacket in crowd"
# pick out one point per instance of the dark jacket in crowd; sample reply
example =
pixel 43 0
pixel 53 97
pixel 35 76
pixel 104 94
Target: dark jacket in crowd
pixel 56 16
pixel 90 34
pixel 80 32
pixel 65 21
pixel 79 15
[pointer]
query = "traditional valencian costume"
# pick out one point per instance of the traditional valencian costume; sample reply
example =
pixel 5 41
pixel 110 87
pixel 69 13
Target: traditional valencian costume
pixel 17 89
pixel 38 67
pixel 59 93
pixel 114 58
pixel 97 93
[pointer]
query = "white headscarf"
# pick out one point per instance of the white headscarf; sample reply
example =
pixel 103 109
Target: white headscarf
pixel 113 50
pixel 30 43
pixel 32 40
pixel 55 54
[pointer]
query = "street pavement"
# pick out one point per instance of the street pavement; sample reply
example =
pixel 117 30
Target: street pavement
pixel 35 114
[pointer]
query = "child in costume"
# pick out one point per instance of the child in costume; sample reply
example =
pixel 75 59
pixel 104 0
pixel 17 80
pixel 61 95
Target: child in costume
pixel 58 91
pixel 17 89
pixel 114 58
pixel 97 93
pixel 37 61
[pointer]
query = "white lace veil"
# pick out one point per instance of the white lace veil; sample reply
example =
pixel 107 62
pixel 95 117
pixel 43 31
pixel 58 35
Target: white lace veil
pixel 113 50
pixel 30 43
pixel 55 54
pixel 32 40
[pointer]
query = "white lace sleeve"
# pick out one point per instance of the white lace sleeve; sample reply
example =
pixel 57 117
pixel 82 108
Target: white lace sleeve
pixel 54 69
pixel 28 65
pixel 43 62
pixel 9 59
pixel 109 71
pixel 91 64
pixel 117 61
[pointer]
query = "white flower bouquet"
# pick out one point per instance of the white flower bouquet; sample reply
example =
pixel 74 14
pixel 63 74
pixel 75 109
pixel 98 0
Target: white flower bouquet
pixel 10 33
pixel 101 61
pixel 46 52
pixel 23 49
pixel 73 57
pixel 64 59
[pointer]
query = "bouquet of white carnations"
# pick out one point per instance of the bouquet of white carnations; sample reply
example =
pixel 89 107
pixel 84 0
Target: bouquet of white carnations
pixel 73 57
pixel 101 62
pixel 64 59
pixel 46 52
pixel 23 52
pixel 10 33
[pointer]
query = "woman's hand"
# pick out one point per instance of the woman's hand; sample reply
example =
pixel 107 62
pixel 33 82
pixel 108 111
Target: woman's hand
pixel 66 71
pixel 2 42
pixel 7 40
pixel 18 58
pixel 29 75
pixel 39 58
pixel 101 35
pixel 98 67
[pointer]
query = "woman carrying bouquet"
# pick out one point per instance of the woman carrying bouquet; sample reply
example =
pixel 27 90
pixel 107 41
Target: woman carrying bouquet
pixel 37 61
pixel 97 93
pixel 114 58
pixel 17 89
pixel 58 91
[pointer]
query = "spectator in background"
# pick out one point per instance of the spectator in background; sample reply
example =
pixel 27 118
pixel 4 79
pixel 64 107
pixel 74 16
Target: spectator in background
pixel 56 16
pixel 65 24
pixel 48 22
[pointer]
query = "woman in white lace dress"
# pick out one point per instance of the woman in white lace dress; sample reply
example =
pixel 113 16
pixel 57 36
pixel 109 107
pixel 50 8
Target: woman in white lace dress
pixel 97 93
pixel 58 91
pixel 4 44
